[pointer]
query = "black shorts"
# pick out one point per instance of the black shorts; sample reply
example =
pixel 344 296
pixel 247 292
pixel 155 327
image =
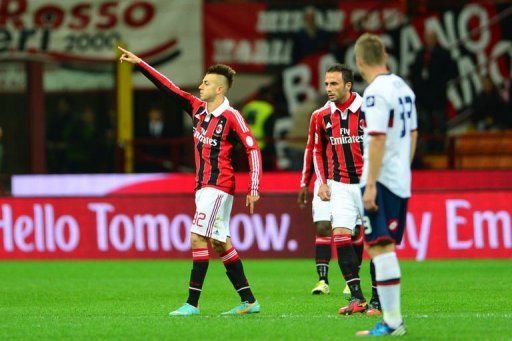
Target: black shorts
pixel 388 223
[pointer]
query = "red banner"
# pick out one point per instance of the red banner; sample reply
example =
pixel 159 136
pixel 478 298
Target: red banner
pixel 449 225
pixel 459 225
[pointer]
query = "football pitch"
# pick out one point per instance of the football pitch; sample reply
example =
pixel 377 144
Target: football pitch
pixel 131 300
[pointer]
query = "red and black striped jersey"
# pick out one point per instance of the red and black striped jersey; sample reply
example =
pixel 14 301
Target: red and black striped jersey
pixel 338 146
pixel 215 134
pixel 307 166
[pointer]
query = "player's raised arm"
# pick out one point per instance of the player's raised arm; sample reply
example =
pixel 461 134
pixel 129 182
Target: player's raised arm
pixel 254 156
pixel 189 101
pixel 128 56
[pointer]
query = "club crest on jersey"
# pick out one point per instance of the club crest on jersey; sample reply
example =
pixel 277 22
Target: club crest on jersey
pixel 219 128
pixel 362 123
pixel 370 101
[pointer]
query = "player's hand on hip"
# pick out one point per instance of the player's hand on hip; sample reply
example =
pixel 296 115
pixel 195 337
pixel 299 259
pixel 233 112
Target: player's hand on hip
pixel 302 200
pixel 250 200
pixel 324 192
pixel 369 196
pixel 129 57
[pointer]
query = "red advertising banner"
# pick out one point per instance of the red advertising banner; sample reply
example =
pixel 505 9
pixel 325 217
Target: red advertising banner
pixel 448 225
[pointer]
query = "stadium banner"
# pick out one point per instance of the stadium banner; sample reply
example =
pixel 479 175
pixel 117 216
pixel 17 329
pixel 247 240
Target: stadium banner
pixel 271 38
pixel 448 225
pixel 81 36
pixel 97 185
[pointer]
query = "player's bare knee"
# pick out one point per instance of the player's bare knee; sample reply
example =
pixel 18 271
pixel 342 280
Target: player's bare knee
pixel 218 246
pixel 380 248
pixel 323 228
pixel 342 230
pixel 198 241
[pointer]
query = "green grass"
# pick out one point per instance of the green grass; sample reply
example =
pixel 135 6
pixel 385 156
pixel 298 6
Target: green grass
pixel 131 299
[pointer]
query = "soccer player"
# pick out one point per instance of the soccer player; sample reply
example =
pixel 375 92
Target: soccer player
pixel 391 123
pixel 322 219
pixel 216 127
pixel 338 161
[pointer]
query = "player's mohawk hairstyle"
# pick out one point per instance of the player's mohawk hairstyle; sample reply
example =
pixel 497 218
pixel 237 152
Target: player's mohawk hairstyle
pixel 223 70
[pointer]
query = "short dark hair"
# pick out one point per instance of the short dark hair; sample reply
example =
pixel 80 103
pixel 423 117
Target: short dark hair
pixel 346 73
pixel 223 70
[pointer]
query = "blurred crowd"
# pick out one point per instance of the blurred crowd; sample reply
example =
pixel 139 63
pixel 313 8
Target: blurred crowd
pixel 429 76
pixel 80 139
pixel 81 135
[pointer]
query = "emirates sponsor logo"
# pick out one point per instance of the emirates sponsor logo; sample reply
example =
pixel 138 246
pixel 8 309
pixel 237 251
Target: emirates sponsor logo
pixel 204 139
pixel 345 139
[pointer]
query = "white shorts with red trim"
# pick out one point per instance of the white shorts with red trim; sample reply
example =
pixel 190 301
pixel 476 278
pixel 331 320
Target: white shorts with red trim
pixel 321 209
pixel 346 204
pixel 213 210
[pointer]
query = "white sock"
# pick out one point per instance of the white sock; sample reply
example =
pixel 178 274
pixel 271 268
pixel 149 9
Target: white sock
pixel 387 275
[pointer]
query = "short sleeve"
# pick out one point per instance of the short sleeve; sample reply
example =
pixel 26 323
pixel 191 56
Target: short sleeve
pixel 377 112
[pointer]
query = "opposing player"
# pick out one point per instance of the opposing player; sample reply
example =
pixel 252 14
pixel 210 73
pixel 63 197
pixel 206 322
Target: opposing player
pixel 338 161
pixel 391 120
pixel 216 126
pixel 322 219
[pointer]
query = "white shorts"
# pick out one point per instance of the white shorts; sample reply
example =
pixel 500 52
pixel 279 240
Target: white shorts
pixel 321 209
pixel 213 210
pixel 346 204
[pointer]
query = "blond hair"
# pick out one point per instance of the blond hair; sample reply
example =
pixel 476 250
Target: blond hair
pixel 370 49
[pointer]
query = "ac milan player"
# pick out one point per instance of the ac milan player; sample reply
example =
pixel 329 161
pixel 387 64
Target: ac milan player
pixel 321 211
pixel 216 127
pixel 338 161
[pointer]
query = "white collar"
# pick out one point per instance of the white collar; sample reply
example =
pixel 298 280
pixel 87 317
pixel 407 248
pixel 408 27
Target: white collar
pixel 356 104
pixel 333 107
pixel 353 107
pixel 220 109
